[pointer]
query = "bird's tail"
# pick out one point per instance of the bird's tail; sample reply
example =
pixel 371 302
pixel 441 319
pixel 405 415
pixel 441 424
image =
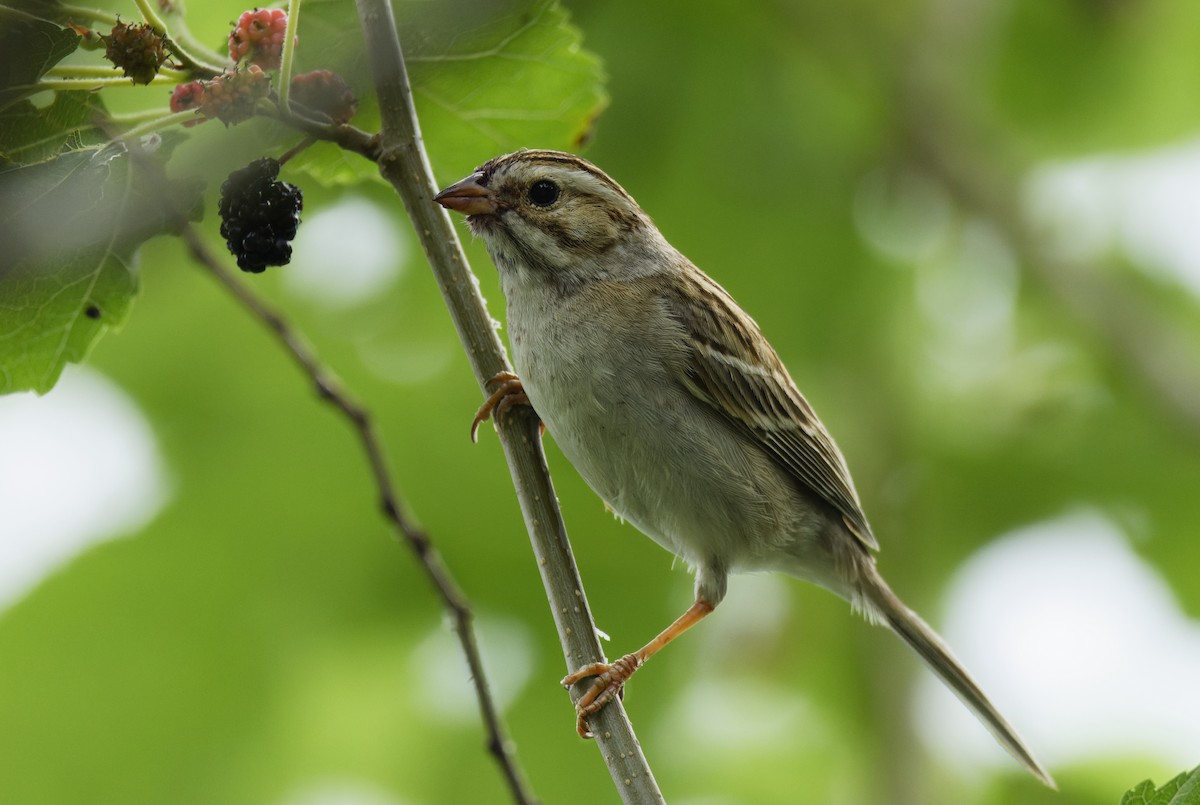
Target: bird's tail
pixel 930 648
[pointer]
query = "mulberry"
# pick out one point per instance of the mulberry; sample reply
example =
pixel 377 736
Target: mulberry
pixel 259 215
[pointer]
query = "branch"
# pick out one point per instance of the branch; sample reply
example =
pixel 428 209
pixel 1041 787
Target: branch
pixel 403 162
pixel 411 534
pixel 331 391
pixel 343 135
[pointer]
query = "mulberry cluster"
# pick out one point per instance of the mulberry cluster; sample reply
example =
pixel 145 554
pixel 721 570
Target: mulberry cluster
pixel 325 92
pixel 256 43
pixel 259 215
pixel 258 36
pixel 136 49
pixel 231 98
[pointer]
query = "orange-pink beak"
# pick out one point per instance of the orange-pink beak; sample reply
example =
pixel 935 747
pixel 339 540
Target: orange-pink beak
pixel 468 197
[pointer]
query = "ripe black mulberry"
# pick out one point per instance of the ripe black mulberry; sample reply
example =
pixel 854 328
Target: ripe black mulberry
pixel 259 215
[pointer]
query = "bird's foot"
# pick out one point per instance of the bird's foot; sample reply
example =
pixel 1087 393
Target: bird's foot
pixel 610 682
pixel 509 392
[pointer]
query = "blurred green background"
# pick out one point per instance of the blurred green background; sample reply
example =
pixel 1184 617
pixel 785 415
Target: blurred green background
pixel 972 231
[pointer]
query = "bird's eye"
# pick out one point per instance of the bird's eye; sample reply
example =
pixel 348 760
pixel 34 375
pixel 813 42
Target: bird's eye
pixel 543 193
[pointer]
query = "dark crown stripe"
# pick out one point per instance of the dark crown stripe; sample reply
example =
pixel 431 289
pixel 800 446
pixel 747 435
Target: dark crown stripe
pixel 557 158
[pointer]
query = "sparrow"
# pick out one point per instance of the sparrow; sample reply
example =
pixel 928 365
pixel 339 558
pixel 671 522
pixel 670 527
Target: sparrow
pixel 674 408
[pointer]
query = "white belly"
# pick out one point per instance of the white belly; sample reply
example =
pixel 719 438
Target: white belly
pixel 660 458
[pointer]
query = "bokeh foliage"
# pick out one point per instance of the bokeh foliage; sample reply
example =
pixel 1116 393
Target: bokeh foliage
pixel 263 634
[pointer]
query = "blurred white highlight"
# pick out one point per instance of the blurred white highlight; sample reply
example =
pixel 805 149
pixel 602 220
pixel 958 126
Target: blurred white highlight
pixel 1078 641
pixel 77 466
pixel 1143 204
pixel 341 792
pixel 444 685
pixel 346 253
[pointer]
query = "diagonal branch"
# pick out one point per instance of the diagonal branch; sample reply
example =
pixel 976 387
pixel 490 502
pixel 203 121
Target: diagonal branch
pixel 330 390
pixel 403 162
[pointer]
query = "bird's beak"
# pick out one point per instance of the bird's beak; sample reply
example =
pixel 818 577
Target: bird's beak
pixel 468 197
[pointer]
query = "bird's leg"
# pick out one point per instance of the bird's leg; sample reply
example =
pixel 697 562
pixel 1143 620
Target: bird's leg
pixel 611 677
pixel 508 393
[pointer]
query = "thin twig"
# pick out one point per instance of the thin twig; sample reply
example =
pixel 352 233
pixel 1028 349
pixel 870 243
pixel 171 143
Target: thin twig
pixel 296 149
pixel 330 390
pixel 343 135
pixel 195 63
pixel 403 162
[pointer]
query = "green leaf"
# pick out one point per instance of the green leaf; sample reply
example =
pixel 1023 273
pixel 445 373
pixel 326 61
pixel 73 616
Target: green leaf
pixel 1182 790
pixel 29 134
pixel 29 46
pixel 516 77
pixel 71 226
pixel 486 80
pixel 525 82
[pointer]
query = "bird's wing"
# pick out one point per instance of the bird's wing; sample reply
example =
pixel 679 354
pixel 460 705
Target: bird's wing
pixel 731 367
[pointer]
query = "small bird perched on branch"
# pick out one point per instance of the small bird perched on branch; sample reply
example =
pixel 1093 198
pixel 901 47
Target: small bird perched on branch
pixel 671 404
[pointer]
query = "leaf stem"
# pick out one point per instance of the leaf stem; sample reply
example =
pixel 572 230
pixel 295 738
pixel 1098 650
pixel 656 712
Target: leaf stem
pixel 194 64
pixel 297 149
pixel 106 71
pixel 135 118
pixel 150 15
pixel 183 37
pixel 91 14
pixel 164 120
pixel 289 54
pixel 57 84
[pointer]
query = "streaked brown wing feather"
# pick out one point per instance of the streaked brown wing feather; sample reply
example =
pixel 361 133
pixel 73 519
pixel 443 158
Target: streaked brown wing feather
pixel 735 370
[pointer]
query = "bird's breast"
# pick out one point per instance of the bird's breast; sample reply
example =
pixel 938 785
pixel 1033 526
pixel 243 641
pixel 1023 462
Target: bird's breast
pixel 602 372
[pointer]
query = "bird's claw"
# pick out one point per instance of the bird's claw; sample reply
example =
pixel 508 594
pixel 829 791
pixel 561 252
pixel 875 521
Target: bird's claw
pixel 508 393
pixel 609 684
